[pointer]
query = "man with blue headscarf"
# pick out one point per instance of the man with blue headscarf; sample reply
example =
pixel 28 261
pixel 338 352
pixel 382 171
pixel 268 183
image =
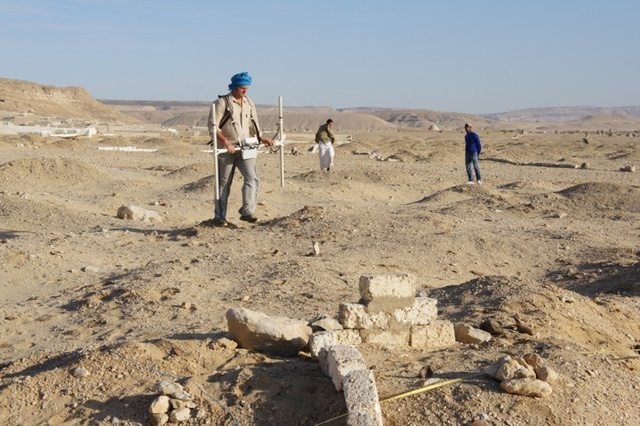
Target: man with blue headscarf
pixel 237 122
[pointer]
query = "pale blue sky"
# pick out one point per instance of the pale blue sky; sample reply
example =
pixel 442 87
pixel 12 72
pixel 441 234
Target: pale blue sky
pixel 452 55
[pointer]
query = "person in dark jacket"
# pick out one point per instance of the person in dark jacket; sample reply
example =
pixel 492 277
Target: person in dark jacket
pixel 325 140
pixel 472 149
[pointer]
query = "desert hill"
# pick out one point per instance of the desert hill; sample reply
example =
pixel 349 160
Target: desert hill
pixel 26 101
pixel 194 114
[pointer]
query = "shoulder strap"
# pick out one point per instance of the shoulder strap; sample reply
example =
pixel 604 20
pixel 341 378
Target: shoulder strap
pixel 227 111
pixel 252 107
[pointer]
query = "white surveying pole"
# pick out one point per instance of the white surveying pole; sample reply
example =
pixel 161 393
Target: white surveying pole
pixel 281 142
pixel 214 141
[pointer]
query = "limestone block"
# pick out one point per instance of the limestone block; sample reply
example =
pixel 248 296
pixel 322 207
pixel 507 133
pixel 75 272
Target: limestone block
pixel 392 337
pixel 359 418
pixel 347 337
pixel 341 360
pixel 319 344
pixel 361 394
pixel 468 334
pixel 272 334
pixel 387 292
pixel 423 311
pixel 354 316
pixel 438 334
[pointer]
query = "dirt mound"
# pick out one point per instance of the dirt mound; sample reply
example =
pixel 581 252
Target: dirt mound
pixel 200 186
pixel 47 172
pixel 603 196
pixel 22 212
pixel 191 171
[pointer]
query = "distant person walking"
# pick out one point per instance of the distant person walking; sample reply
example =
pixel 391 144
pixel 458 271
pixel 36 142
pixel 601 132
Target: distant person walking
pixel 472 149
pixel 237 124
pixel 325 141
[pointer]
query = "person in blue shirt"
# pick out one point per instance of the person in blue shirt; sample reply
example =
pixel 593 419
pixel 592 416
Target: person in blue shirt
pixel 472 149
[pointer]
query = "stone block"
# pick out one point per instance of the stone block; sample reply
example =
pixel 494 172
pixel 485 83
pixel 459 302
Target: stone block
pixel 354 316
pixel 392 337
pixel 347 337
pixel 387 292
pixel 438 334
pixel 319 344
pixel 361 395
pixel 341 360
pixel 423 311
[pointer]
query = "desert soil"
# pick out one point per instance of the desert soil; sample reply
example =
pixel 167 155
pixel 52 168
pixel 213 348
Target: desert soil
pixel 133 302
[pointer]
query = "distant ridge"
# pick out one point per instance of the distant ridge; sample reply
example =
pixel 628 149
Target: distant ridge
pixel 562 114
pixel 19 100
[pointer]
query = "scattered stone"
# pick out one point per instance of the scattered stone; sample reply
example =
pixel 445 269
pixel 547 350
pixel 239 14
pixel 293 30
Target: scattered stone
pixel 527 387
pixel 466 334
pixel 175 390
pixel 628 168
pixel 224 343
pixel 492 326
pixel 534 360
pixel 527 375
pixel 159 405
pixel 173 405
pixel 181 415
pixel 523 328
pixel 272 334
pixel 138 213
pixel 324 323
pixel 546 374
pixel 158 419
pixel 426 372
pixel 80 372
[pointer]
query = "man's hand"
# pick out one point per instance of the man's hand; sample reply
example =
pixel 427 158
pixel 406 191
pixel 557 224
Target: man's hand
pixel 266 141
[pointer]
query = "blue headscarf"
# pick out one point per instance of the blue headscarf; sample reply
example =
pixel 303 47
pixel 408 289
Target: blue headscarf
pixel 240 79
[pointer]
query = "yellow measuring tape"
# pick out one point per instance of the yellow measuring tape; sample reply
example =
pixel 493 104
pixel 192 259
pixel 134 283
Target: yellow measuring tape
pixel 413 392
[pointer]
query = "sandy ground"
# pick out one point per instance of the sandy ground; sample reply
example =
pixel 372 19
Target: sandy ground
pixel 134 302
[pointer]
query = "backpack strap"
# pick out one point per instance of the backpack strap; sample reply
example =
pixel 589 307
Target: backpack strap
pixel 227 111
pixel 252 107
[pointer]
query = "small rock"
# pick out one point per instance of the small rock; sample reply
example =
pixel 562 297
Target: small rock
pixel 533 360
pixel 492 326
pixel 158 419
pixel 159 405
pixel 80 372
pixel 546 374
pixel 426 372
pixel 527 387
pixel 181 415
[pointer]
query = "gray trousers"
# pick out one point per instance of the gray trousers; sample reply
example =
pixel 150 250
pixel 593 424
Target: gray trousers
pixel 227 164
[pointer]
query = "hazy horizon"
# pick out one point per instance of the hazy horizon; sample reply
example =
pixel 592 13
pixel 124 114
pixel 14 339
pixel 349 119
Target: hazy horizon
pixel 457 56
pixel 381 107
